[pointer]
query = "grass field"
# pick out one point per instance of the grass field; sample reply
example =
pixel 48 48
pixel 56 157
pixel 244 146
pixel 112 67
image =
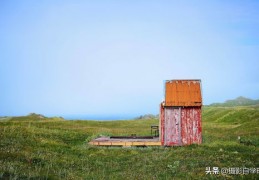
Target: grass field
pixel 53 148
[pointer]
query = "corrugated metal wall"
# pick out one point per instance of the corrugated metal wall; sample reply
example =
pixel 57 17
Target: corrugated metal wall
pixel 191 125
pixel 172 134
pixel 183 93
pixel 181 125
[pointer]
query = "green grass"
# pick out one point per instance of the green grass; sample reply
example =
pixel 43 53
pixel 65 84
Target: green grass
pixel 52 148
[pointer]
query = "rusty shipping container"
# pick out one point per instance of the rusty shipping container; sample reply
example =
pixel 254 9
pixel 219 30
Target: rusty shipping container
pixel 180 113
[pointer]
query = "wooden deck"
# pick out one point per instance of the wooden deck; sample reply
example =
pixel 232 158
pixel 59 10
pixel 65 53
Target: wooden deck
pixel 106 141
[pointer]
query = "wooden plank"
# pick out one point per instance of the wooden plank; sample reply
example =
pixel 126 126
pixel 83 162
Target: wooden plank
pixel 138 143
pixel 153 143
pixel 117 143
pixel 104 143
pixel 127 144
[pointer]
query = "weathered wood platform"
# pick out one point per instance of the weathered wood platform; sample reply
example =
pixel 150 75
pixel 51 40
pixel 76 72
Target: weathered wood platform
pixel 107 141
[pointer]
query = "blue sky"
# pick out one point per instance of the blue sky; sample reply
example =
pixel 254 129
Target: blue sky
pixel 108 59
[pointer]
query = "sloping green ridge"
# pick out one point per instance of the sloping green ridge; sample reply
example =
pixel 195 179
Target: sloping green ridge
pixel 230 123
pixel 243 119
pixel 239 101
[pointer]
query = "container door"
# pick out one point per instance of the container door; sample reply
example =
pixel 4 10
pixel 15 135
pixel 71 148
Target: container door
pixel 191 125
pixel 172 126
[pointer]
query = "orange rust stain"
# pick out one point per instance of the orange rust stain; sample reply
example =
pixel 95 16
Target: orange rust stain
pixel 183 93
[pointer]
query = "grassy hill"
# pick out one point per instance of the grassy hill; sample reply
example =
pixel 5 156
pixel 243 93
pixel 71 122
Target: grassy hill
pixel 47 148
pixel 239 101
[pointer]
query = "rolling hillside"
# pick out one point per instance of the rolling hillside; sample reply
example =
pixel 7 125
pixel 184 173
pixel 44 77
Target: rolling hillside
pixel 52 148
pixel 239 101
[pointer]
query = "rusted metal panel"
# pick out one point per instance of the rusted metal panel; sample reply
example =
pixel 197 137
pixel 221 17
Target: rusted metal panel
pixel 185 118
pixel 199 127
pixel 191 125
pixel 180 126
pixel 172 131
pixel 183 93
pixel 180 114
